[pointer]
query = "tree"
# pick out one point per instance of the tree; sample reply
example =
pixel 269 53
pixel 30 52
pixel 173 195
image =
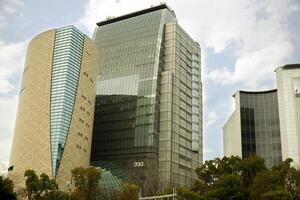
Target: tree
pixel 56 195
pixel 32 183
pixel 277 183
pixel 39 187
pixel 236 178
pixel 128 192
pixel 187 194
pixel 7 189
pixel 21 193
pixel 228 187
pixel 146 179
pixel 86 181
pixel 183 193
pixel 211 170
pixel 46 185
pixel 251 166
pixel 293 183
pixel 276 195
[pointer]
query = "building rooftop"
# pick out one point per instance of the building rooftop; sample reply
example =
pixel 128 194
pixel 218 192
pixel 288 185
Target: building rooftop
pixel 289 66
pixel 254 92
pixel 134 14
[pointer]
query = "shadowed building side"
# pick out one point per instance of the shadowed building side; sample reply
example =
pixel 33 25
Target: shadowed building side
pixel 53 128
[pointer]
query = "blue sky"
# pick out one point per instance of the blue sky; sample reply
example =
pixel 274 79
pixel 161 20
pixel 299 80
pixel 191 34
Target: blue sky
pixel 242 43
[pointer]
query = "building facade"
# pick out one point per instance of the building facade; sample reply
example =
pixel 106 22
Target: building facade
pixel 254 127
pixel 53 130
pixel 148 114
pixel 288 83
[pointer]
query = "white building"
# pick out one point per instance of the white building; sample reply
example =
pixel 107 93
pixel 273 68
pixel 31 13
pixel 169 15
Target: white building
pixel 288 83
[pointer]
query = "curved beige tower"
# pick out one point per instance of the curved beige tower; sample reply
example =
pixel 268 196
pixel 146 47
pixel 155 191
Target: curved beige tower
pixel 54 122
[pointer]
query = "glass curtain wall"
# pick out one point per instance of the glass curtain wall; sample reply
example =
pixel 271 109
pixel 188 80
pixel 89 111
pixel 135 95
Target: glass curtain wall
pixel 127 107
pixel 260 126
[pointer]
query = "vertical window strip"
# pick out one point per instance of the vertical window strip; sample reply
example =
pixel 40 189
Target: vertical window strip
pixel 195 97
pixel 65 76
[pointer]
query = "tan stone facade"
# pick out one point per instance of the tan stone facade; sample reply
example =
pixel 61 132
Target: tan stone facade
pixel 31 143
pixel 31 147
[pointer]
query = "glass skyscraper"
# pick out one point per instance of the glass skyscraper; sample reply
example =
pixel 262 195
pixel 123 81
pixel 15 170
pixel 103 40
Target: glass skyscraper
pixel 148 114
pixel 254 127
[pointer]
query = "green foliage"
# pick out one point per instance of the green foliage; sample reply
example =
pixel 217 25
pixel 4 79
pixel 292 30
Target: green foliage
pixel 271 180
pixel 263 183
pixel 228 187
pixel 293 183
pixel 250 167
pixel 211 170
pixel 276 195
pixel 183 193
pixel 7 189
pixel 187 194
pixel 32 183
pixel 234 178
pixel 86 181
pixel 39 188
pixel 56 195
pixel 167 190
pixel 128 192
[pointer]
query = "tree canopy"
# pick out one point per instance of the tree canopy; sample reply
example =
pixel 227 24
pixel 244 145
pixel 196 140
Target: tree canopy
pixel 86 181
pixel 227 178
pixel 39 188
pixel 128 192
pixel 7 189
pixel 249 178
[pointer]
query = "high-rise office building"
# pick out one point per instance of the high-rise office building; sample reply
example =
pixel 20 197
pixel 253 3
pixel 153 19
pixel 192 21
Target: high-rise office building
pixel 148 115
pixel 53 130
pixel 288 83
pixel 253 128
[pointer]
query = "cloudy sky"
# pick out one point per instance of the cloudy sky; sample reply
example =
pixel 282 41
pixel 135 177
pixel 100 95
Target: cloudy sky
pixel 242 41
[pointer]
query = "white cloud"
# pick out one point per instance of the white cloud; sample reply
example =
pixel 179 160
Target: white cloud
pixel 252 69
pixel 8 107
pixel 212 118
pixel 11 66
pixel 260 38
pixel 222 75
pixel 5 86
pixel 98 10
pixel 256 31
pixel 12 57
pixel 3 168
pixel 7 8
